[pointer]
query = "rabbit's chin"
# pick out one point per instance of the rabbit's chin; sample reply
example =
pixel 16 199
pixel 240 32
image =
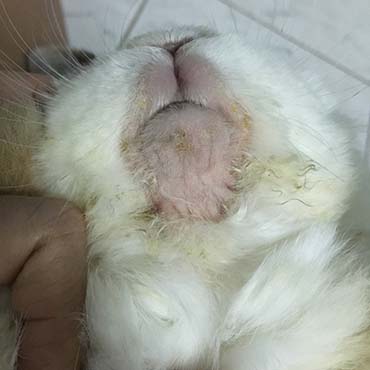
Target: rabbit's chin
pixel 189 152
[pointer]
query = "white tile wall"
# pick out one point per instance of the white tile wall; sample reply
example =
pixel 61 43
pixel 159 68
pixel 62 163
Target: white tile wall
pixel 333 36
pixel 339 29
pixel 97 24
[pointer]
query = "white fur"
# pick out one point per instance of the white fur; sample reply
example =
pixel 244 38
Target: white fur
pixel 272 286
pixel 299 308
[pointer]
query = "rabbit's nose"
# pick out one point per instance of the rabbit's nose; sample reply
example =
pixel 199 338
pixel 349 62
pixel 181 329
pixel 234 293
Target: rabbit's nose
pixel 173 47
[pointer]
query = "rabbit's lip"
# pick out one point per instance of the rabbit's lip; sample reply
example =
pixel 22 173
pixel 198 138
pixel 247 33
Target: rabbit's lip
pixel 183 77
pixel 190 78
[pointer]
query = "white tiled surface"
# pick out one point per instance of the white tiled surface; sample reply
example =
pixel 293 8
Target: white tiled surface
pixel 334 33
pixel 339 29
pixel 97 24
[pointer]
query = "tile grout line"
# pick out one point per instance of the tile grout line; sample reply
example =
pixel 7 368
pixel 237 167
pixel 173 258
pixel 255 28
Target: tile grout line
pixel 133 21
pixel 339 66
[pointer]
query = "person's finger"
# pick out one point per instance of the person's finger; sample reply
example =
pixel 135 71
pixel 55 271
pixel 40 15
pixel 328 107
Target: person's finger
pixel 43 259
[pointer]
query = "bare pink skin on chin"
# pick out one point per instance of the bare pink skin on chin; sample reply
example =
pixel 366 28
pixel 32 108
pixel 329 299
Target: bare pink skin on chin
pixel 189 151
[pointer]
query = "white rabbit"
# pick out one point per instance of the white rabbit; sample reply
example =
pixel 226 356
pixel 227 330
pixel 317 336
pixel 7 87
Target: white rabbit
pixel 213 181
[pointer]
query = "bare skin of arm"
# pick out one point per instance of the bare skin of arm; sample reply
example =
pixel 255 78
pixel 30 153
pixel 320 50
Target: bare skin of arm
pixel 43 260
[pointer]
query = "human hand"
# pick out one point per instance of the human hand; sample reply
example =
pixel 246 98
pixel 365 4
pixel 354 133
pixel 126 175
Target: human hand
pixel 43 260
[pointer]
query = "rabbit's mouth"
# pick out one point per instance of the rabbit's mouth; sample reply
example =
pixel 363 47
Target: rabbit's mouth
pixel 191 139
pixel 177 73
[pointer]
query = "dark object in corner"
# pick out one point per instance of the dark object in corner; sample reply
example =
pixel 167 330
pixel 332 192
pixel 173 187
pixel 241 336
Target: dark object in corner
pixel 56 62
